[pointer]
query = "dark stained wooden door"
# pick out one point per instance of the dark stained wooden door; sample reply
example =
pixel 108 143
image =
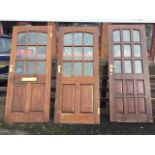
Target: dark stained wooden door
pixel 28 93
pixel 129 89
pixel 77 88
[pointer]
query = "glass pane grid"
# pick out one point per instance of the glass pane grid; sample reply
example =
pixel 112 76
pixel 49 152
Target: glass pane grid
pixel 131 52
pixel 30 53
pixel 78 54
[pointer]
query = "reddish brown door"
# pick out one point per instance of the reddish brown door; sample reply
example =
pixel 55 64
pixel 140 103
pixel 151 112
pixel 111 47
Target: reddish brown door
pixel 77 94
pixel 28 93
pixel 130 99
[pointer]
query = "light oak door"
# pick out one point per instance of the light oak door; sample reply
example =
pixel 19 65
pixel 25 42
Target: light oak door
pixel 28 93
pixel 77 88
pixel 130 99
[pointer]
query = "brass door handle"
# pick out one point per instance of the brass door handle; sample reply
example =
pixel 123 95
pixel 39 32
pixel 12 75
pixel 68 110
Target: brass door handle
pixel 58 68
pixel 111 68
pixel 11 69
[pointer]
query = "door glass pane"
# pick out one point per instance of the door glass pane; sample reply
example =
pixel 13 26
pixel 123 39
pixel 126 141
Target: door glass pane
pixel 67 53
pixel 42 52
pixel 88 39
pixel 77 53
pixel 42 38
pixel 77 38
pixel 126 35
pixel 30 67
pixel 136 35
pixel 127 66
pixel 21 38
pixel 137 50
pixel 127 51
pixel 77 69
pixel 117 50
pixel 32 38
pixel 88 69
pixel 67 69
pixel 41 67
pixel 117 67
pixel 31 52
pixel 116 35
pixel 21 52
pixel 138 66
pixel 19 67
pixel 68 39
pixel 88 53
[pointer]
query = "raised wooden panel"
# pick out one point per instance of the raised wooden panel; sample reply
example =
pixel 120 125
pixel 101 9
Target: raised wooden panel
pixel 19 98
pixel 119 105
pixel 119 87
pixel 87 99
pixel 68 98
pixel 129 87
pixel 141 105
pixel 131 105
pixel 38 97
pixel 140 87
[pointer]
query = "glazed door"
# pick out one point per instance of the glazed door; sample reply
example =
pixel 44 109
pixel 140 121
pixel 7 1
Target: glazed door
pixel 77 94
pixel 28 93
pixel 130 99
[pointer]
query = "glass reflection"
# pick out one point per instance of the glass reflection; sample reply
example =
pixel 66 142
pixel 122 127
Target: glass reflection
pixel 138 66
pixel 117 50
pixel 127 66
pixel 117 67
pixel 88 69
pixel 67 69
pixel 116 35
pixel 77 69
pixel 68 39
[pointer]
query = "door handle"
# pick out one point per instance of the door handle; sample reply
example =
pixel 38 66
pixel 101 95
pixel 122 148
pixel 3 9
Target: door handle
pixel 111 68
pixel 58 68
pixel 11 69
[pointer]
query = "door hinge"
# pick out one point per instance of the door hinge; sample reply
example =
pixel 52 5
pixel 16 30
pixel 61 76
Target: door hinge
pixel 51 35
pixel 98 111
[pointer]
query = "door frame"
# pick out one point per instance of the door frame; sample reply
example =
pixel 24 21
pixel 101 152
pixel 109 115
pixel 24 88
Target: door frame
pixel 44 117
pixel 62 31
pixel 145 70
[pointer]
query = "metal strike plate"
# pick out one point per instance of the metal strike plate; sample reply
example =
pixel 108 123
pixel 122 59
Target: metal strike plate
pixel 28 79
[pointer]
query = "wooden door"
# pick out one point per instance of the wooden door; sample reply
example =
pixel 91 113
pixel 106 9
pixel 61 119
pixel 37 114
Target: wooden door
pixel 77 88
pixel 28 93
pixel 129 89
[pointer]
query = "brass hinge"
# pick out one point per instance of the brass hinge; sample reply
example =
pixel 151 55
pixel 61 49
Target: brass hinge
pixel 51 35
pixel 98 111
